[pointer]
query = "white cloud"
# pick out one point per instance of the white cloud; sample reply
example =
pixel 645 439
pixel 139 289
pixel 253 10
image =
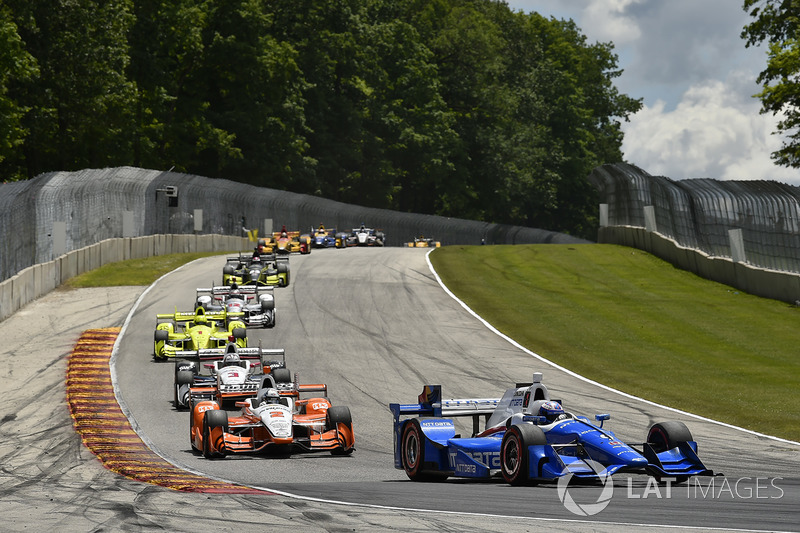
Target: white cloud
pixel 609 21
pixel 687 61
pixel 712 133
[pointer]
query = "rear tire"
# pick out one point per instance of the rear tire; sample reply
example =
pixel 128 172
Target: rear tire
pixel 412 453
pixel 282 375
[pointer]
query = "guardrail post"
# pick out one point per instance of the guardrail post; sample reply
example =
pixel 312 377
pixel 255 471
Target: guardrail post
pixel 198 220
pixel 650 218
pixel 58 237
pixel 737 245
pixel 128 225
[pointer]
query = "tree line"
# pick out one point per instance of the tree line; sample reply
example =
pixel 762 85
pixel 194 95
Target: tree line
pixel 460 108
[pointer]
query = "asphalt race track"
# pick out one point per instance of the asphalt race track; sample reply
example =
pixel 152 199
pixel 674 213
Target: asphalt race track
pixel 375 326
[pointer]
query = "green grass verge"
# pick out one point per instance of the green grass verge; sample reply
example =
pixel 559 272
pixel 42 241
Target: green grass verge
pixel 629 320
pixel 134 271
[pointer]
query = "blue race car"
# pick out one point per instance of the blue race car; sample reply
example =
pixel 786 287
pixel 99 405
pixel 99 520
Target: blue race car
pixel 528 438
pixel 323 237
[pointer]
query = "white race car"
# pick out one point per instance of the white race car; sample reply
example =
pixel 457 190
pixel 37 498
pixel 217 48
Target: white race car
pixel 255 302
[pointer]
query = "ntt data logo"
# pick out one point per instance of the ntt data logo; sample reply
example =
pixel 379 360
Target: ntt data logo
pixel 591 508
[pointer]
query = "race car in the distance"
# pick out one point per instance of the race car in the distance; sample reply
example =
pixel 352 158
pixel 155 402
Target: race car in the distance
pixel 275 420
pixel 529 438
pixel 423 242
pixel 182 334
pixel 364 236
pixel 286 242
pixel 228 375
pixel 255 304
pixel 323 237
pixel 256 269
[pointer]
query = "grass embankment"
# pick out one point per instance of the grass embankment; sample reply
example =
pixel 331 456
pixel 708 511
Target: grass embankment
pixel 629 320
pixel 134 271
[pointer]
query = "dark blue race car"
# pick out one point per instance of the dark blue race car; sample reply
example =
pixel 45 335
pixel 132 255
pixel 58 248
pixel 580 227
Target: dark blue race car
pixel 323 237
pixel 528 438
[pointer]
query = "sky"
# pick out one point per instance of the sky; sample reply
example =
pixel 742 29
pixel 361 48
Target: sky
pixel 696 78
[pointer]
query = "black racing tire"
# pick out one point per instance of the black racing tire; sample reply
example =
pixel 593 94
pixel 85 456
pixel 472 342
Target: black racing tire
pixel 228 270
pixel 161 335
pixel 195 451
pixel 339 414
pixel 283 268
pixel 282 375
pixel 239 333
pixel 213 418
pixel 412 453
pixel 182 377
pixel 514 458
pixel 664 436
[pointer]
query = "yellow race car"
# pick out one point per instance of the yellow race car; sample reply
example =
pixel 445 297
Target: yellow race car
pixel 423 242
pixel 182 334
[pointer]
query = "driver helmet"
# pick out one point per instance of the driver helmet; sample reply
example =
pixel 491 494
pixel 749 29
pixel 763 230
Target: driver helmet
pixel 235 292
pixel 204 301
pixel 551 411
pixel 231 359
pixel 271 396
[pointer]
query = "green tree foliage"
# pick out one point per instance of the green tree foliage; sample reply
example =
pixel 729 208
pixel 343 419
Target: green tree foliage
pixel 16 66
pixel 451 107
pixel 80 103
pixel 777 23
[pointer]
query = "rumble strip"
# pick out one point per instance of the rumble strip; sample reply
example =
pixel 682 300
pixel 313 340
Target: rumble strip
pixel 105 430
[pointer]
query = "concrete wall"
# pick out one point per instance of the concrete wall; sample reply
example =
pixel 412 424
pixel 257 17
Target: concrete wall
pixel 37 280
pixel 783 286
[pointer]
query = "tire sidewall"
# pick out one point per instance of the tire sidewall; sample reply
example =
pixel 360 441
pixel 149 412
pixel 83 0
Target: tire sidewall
pixel 412 435
pixel 516 474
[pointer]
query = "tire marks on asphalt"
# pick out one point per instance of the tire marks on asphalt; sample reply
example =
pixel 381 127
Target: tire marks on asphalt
pixel 106 431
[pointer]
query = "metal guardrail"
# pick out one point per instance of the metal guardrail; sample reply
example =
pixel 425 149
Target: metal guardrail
pixel 59 212
pixel 754 222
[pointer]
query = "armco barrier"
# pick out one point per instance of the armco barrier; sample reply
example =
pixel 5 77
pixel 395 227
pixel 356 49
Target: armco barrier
pixel 783 286
pixel 742 233
pixel 37 280
pixel 59 212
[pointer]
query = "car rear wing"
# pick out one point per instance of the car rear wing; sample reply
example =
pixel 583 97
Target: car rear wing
pixel 189 316
pixel 225 290
pixel 430 403
pixel 258 354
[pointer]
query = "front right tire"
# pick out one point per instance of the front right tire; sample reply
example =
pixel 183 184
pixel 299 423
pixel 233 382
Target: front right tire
pixel 514 456
pixel 212 419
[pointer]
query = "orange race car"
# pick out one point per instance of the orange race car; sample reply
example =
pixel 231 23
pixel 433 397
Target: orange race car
pixel 277 420
pixel 285 242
